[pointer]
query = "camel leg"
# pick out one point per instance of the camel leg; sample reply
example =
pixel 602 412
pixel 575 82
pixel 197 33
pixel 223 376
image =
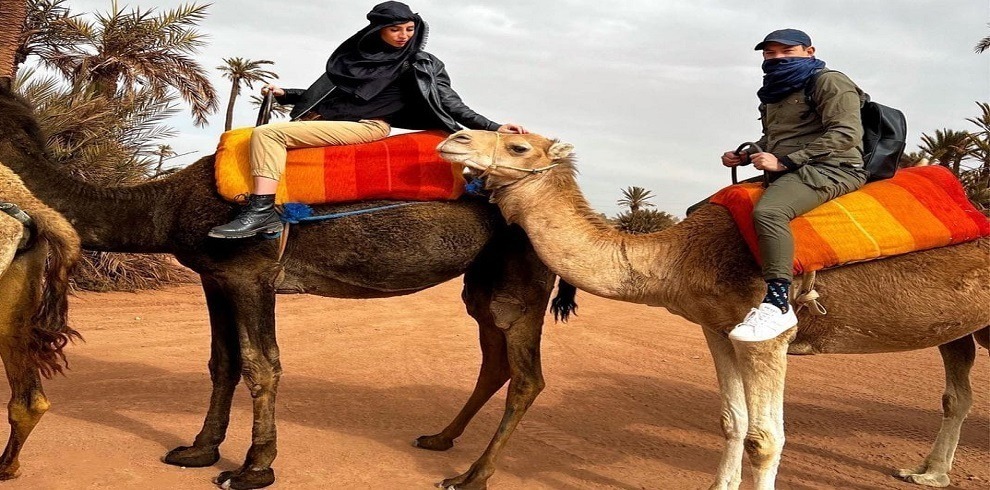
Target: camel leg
pixel 27 399
pixel 518 304
pixel 763 366
pixel 734 415
pixel 253 299
pixel 225 373
pixel 494 366
pixel 27 403
pixel 958 357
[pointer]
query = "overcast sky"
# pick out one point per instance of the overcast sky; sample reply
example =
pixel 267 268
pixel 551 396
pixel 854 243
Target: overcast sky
pixel 650 93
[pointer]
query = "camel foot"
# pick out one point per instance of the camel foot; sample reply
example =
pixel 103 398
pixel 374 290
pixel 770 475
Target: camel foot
pixel 9 473
pixel 938 480
pixel 434 442
pixel 192 456
pixel 245 479
pixel 472 480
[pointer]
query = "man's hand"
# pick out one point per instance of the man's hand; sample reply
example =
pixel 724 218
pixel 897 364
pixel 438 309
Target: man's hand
pixel 512 128
pixel 730 159
pixel 767 161
pixel 277 92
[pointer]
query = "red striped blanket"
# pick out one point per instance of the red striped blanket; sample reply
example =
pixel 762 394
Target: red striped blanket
pixel 404 167
pixel 919 208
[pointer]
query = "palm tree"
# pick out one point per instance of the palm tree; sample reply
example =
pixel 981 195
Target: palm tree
pixel 948 147
pixel 12 16
pixel 983 45
pixel 122 52
pixel 635 198
pixel 240 70
pixel 163 152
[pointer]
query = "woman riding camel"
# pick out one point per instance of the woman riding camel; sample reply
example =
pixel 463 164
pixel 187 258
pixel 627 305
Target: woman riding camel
pixel 378 78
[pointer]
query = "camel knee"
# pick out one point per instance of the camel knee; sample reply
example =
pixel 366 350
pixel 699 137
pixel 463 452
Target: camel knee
pixel 956 404
pixel 732 428
pixel 19 412
pixel 763 447
pixel 261 377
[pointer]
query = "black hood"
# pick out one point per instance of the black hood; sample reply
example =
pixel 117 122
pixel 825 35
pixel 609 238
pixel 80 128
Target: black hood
pixel 364 64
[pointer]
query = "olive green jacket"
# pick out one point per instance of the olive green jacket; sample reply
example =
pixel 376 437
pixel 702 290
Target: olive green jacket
pixel 824 146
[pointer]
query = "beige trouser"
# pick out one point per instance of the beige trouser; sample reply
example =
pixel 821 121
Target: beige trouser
pixel 270 142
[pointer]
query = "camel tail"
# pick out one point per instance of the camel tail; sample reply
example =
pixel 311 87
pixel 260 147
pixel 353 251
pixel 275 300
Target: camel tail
pixel 50 331
pixel 563 305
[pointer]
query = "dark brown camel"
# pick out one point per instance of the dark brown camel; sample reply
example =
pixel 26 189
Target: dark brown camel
pixel 389 253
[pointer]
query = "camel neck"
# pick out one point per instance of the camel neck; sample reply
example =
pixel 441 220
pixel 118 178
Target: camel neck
pixel 580 247
pixel 118 219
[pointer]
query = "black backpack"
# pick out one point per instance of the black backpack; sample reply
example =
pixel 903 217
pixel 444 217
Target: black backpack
pixel 884 133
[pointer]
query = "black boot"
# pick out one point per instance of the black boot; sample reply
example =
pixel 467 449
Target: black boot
pixel 258 217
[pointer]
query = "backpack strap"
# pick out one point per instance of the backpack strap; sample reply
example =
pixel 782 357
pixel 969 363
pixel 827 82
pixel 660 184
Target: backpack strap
pixel 809 86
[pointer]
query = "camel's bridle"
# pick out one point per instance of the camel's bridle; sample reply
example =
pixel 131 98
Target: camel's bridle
pixel 488 169
pixel 495 166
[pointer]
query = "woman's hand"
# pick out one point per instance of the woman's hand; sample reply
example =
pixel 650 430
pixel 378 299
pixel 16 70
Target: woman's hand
pixel 277 92
pixel 512 128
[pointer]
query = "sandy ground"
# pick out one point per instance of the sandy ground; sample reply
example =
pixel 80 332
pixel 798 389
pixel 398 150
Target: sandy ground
pixel 630 402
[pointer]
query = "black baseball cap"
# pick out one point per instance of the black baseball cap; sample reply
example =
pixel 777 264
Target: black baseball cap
pixel 789 37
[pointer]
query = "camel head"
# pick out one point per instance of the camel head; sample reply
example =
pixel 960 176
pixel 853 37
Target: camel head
pixel 502 158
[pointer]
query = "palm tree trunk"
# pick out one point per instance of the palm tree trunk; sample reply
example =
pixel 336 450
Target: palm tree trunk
pixel 12 16
pixel 230 104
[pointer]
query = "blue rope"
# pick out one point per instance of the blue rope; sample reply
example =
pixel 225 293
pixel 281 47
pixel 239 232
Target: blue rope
pixel 294 213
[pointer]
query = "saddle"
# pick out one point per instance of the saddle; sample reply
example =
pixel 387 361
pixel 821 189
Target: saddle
pixel 402 167
pixel 918 208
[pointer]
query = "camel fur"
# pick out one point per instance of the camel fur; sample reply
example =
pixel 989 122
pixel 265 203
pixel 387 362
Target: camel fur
pixel 702 270
pixel 34 286
pixel 389 253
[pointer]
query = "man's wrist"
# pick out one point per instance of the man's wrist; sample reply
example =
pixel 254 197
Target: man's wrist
pixel 788 163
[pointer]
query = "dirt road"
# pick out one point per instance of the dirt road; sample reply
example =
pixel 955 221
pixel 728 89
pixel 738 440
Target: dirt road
pixel 630 402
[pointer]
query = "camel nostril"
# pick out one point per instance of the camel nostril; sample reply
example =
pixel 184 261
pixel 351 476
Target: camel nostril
pixel 461 138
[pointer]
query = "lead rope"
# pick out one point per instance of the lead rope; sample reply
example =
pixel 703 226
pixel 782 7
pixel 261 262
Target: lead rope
pixel 807 297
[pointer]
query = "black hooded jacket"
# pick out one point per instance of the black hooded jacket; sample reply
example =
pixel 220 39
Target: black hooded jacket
pixel 441 107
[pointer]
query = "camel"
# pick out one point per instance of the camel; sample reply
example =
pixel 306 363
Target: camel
pixel 702 270
pixel 34 284
pixel 388 253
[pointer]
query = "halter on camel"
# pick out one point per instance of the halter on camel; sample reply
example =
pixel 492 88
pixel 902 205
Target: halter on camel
pixel 495 166
pixel 16 213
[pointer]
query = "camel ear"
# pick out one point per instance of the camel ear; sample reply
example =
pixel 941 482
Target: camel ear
pixel 560 150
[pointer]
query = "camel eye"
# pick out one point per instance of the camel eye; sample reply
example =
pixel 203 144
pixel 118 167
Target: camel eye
pixel 518 149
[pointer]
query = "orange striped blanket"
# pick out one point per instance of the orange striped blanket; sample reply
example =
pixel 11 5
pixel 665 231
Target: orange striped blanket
pixel 919 208
pixel 403 167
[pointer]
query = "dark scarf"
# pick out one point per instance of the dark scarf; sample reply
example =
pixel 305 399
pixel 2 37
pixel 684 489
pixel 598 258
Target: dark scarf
pixel 784 76
pixel 364 64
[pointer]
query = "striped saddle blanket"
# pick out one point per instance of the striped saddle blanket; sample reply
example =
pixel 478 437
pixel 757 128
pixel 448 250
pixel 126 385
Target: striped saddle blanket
pixel 403 167
pixel 919 208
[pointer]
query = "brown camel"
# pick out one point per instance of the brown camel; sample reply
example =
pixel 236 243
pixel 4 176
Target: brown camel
pixel 35 259
pixel 389 253
pixel 702 270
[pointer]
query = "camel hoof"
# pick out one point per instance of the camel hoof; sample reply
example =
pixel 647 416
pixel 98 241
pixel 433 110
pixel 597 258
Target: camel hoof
pixel 245 479
pixel 938 480
pixel 192 456
pixel 434 443
pixel 464 482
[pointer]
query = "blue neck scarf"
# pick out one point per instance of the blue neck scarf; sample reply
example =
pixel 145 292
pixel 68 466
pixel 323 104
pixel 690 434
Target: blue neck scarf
pixel 784 76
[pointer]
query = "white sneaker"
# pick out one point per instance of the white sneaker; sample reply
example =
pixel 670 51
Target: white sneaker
pixel 763 323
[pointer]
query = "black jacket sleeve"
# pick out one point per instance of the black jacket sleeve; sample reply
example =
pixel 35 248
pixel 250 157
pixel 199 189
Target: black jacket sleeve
pixel 455 107
pixel 291 96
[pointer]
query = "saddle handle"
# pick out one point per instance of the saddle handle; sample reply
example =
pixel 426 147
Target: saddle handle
pixel 755 148
pixel 265 111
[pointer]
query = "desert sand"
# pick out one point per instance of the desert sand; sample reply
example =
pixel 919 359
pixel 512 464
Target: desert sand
pixel 630 403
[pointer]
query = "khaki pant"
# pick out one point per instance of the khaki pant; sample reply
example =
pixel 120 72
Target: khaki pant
pixel 787 198
pixel 270 142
